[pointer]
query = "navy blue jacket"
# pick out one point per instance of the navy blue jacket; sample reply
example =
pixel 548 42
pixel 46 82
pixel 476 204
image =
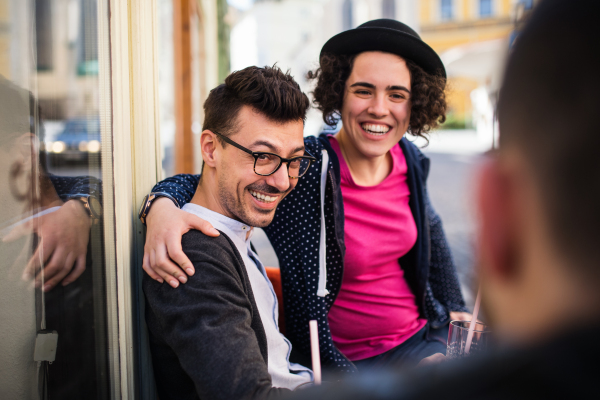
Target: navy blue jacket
pixel 311 279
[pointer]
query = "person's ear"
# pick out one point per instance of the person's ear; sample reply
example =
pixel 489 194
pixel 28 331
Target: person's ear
pixel 498 240
pixel 209 148
pixel 27 147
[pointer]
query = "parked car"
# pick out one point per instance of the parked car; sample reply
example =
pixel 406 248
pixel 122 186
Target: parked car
pixel 77 143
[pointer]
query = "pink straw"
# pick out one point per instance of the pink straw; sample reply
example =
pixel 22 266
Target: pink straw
pixel 314 350
pixel 473 322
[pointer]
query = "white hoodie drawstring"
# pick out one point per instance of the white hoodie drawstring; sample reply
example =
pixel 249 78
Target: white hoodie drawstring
pixel 322 287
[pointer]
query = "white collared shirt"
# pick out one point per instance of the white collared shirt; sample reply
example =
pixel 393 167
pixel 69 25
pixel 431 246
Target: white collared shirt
pixel 283 373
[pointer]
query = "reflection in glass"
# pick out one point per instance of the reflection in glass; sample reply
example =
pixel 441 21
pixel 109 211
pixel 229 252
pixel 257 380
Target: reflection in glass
pixel 52 291
pixel 43 34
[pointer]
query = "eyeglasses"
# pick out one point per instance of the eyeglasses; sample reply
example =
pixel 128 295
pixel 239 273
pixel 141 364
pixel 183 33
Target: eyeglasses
pixel 266 164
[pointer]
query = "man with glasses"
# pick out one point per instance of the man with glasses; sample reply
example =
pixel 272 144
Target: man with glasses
pixel 217 337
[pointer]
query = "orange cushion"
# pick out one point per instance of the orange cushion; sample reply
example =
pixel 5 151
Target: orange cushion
pixel 274 275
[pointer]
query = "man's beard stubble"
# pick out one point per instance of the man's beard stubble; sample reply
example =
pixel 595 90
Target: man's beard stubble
pixel 239 210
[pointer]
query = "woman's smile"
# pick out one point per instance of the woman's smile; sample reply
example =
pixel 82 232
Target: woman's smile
pixel 375 129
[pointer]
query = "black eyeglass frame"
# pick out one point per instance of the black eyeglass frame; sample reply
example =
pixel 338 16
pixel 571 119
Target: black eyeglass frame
pixel 257 154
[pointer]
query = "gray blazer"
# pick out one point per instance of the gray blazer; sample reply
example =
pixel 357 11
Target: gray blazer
pixel 206 337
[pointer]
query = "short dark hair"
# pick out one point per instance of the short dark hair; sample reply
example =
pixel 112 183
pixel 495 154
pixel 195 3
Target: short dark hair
pixel 428 97
pixel 19 112
pixel 548 110
pixel 268 90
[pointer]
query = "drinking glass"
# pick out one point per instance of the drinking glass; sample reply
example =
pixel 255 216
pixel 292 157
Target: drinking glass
pixel 457 339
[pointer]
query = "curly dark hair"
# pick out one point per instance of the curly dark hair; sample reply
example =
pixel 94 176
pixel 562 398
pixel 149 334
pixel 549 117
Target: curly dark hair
pixel 428 97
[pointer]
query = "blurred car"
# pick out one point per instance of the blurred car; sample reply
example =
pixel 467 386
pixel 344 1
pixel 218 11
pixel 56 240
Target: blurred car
pixel 77 143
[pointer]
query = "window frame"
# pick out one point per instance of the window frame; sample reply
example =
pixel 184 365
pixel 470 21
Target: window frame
pixel 131 166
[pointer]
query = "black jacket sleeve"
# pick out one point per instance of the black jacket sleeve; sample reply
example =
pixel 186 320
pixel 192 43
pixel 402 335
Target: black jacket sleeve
pixel 212 326
pixel 182 187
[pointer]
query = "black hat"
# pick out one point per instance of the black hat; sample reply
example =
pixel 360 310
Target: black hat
pixel 390 36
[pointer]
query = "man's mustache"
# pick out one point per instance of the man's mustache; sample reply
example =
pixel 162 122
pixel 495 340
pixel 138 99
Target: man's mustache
pixel 264 188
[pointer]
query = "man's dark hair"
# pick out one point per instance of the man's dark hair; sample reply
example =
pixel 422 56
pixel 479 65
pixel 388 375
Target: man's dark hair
pixel 549 109
pixel 268 90
pixel 19 112
pixel 428 98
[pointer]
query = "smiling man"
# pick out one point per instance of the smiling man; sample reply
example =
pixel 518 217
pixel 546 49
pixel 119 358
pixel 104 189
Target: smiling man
pixel 217 336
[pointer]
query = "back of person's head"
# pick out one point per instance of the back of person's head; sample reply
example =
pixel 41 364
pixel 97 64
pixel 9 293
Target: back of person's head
pixel 267 90
pixel 19 112
pixel 549 111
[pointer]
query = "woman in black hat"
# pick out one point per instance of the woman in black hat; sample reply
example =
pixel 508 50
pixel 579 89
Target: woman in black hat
pixel 369 259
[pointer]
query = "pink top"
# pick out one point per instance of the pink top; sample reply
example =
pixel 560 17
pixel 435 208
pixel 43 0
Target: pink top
pixel 375 310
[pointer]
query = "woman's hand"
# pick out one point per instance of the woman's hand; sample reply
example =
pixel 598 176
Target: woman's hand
pixel 64 236
pixel 164 260
pixel 460 316
pixel 437 358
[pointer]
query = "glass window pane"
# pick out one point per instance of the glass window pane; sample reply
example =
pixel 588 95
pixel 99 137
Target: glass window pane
pixel 528 4
pixel 43 34
pixel 166 82
pixel 52 292
pixel 485 8
pixel 347 15
pixel 446 10
pixel 197 100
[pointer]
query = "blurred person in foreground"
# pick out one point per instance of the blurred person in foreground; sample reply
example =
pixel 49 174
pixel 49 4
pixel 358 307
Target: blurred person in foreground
pixel 217 336
pixel 538 229
pixel 360 247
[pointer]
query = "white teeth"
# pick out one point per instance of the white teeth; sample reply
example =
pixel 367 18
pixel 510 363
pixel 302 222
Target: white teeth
pixel 376 129
pixel 266 199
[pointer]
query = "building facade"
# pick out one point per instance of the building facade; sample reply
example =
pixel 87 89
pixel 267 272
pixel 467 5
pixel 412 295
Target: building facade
pixel 473 38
